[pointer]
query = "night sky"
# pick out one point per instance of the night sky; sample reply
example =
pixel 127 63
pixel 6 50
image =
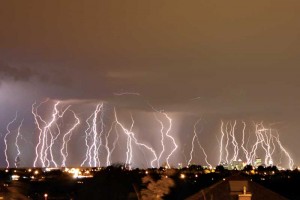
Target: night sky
pixel 215 60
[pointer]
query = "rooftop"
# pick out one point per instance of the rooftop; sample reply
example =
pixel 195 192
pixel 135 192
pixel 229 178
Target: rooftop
pixel 232 187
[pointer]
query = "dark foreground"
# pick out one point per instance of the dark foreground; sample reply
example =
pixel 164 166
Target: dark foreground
pixel 115 182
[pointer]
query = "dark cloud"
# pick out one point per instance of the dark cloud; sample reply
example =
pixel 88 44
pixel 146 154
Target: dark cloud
pixel 221 59
pixel 17 74
pixel 238 56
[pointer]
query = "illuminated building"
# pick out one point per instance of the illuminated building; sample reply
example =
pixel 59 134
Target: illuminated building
pixel 257 162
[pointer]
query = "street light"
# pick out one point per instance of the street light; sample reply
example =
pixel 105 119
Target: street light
pixel 46 196
pixel 182 176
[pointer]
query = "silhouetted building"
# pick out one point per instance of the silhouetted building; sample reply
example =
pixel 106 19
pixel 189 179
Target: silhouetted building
pixel 236 187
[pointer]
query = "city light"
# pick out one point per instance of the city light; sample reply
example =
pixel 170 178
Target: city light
pixel 15 177
pixel 182 176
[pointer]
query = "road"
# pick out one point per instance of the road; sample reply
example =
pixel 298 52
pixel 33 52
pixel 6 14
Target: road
pixel 13 191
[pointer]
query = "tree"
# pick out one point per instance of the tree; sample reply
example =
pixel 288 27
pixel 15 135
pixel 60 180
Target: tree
pixel 156 189
pixel 220 168
pixel 261 169
pixel 248 168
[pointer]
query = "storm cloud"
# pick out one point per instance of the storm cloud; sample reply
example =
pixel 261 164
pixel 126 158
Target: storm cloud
pixel 17 74
pixel 216 59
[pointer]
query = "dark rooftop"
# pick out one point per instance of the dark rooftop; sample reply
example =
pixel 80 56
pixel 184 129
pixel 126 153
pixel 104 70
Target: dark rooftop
pixel 232 187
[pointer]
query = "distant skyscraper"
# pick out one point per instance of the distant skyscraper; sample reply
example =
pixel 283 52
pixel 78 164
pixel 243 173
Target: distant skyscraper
pixel 257 162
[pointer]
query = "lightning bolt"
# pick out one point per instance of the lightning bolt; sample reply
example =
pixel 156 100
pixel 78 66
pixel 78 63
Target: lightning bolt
pixel 161 141
pixel 172 139
pixel 291 161
pixel 94 132
pixel 233 141
pixel 47 129
pixel 193 141
pixel 254 147
pixel 127 93
pixel 109 152
pixel 93 153
pixel 165 134
pixel 100 135
pixel 5 139
pixel 243 142
pixel 197 138
pixel 36 121
pixel 44 133
pixel 196 98
pixel 264 139
pixel 87 136
pixel 221 143
pixel 273 144
pixel 227 143
pixel 91 136
pixel 66 138
pixel 16 143
pixel 115 141
pixel 131 137
pixel 192 150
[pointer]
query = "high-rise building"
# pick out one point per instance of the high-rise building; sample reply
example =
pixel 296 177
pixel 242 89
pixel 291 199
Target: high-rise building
pixel 257 162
